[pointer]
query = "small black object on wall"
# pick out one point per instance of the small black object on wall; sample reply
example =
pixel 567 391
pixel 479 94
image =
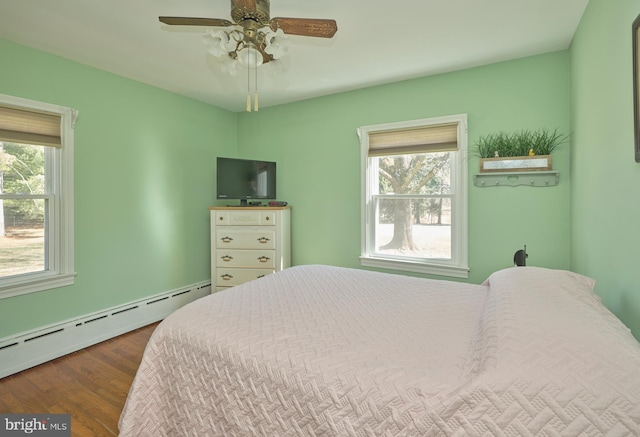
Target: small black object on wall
pixel 520 257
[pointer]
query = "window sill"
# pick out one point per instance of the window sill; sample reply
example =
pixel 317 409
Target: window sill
pixel 35 282
pixel 416 267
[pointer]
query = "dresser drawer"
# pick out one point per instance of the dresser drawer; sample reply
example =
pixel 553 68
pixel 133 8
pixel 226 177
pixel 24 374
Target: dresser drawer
pixel 245 238
pixel 245 258
pixel 248 218
pixel 248 243
pixel 232 277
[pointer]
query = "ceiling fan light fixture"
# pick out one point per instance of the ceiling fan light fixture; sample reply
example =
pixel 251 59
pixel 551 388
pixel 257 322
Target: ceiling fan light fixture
pixel 229 66
pixel 250 56
pixel 248 50
pixel 276 44
pixel 218 42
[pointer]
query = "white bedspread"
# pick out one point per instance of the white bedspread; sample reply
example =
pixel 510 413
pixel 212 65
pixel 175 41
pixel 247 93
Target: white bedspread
pixel 318 350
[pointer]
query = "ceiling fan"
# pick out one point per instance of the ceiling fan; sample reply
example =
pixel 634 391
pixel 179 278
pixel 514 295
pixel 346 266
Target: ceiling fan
pixel 258 30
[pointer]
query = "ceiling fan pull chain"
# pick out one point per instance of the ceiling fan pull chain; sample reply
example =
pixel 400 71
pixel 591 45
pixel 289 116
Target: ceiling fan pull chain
pixel 248 85
pixel 255 103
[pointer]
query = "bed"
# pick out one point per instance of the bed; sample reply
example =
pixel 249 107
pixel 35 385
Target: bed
pixel 330 351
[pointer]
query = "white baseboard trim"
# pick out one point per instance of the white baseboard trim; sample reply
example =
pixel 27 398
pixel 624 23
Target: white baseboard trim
pixel 28 349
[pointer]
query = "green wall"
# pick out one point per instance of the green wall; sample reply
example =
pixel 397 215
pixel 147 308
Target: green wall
pixel 605 177
pixel 318 154
pixel 144 161
pixel 144 178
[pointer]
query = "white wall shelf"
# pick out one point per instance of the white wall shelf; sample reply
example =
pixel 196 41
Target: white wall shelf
pixel 513 179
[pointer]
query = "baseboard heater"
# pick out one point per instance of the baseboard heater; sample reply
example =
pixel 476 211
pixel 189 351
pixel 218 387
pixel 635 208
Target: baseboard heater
pixel 27 349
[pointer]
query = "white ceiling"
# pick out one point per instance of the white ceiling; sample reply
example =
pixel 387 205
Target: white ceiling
pixel 376 43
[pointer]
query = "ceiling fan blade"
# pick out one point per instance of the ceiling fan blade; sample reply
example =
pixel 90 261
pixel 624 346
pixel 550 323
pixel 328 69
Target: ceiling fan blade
pixel 188 21
pixel 305 26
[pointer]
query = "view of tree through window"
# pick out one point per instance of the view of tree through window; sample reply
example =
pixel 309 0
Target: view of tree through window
pixel 22 208
pixel 414 205
pixel 414 195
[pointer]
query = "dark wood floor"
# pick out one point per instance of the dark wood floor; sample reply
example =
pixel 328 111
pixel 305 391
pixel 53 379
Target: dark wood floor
pixel 91 385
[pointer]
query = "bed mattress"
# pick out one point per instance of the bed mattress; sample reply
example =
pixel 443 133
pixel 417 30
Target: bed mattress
pixel 329 351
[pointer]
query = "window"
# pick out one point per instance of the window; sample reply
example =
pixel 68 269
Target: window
pixel 414 202
pixel 36 196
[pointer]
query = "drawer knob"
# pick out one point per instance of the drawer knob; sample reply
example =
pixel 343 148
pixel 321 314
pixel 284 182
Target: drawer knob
pixel 226 277
pixel 226 258
pixel 263 259
pixel 226 239
pixel 263 240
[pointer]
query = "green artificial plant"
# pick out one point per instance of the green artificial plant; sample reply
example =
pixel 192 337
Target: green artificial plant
pixel 520 143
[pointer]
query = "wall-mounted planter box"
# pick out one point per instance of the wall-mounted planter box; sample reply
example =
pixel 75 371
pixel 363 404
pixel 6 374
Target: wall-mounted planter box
pixel 516 163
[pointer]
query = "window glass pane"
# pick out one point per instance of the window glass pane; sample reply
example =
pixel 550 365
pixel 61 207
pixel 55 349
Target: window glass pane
pixel 414 203
pixel 416 228
pixel 21 169
pixel 22 236
pixel 424 173
pixel 36 253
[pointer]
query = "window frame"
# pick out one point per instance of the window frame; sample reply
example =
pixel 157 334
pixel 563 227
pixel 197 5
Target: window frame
pixel 457 266
pixel 59 243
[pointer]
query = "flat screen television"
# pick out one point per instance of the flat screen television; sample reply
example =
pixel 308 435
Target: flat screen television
pixel 245 179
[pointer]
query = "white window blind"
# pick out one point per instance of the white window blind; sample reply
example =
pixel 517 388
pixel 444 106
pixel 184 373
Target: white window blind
pixel 440 138
pixel 48 130
pixel 30 127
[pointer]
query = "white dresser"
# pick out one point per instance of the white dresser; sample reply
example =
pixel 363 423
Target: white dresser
pixel 248 243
